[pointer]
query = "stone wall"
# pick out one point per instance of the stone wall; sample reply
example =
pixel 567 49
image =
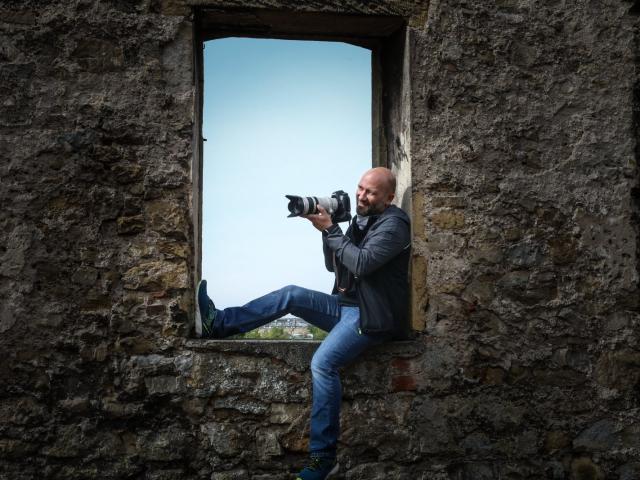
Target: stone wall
pixel 523 148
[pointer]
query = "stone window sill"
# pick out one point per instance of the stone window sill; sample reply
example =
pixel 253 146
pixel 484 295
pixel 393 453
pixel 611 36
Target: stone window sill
pixel 299 352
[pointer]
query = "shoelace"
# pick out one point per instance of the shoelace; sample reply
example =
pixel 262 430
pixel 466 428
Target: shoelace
pixel 315 464
pixel 211 312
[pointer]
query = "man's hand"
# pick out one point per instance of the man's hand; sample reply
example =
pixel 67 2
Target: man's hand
pixel 321 220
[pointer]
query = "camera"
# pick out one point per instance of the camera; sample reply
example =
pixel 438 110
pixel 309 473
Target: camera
pixel 337 205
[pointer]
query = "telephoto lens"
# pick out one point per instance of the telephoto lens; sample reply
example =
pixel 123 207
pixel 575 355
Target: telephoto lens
pixel 301 205
pixel 337 205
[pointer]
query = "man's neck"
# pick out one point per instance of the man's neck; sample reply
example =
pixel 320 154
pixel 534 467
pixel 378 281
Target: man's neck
pixel 362 221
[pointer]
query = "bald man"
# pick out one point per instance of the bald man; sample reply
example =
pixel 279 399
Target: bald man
pixel 368 304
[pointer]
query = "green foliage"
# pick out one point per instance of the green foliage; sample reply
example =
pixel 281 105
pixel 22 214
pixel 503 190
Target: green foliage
pixel 252 335
pixel 279 333
pixel 318 334
pixel 275 333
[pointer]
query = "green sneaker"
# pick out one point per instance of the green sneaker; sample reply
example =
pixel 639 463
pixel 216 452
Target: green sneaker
pixel 320 469
pixel 205 312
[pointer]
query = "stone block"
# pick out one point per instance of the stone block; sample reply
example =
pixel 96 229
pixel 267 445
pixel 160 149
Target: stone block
pixel 130 225
pixel 419 291
pixel 584 468
pixel 296 437
pixel 481 290
pixel 449 202
pixel 598 437
pixel 116 409
pixel 68 443
pixel 157 309
pixel 494 376
pixel 98 55
pixel 156 276
pixel 267 444
pixel 418 220
pixel 241 404
pixel 16 449
pixel 559 377
pixel 375 471
pixel 22 410
pixel 75 404
pixel 501 415
pixel 448 220
pixel 432 426
pixel 136 344
pixel 7 317
pixel 629 471
pixel 167 217
pixel 78 472
pixel 175 7
pixel 85 275
pixel 166 445
pixel 194 407
pixel 477 443
pixel 173 250
pixel 286 413
pixel 170 474
pixel 556 440
pixel 165 385
pixel 523 445
pixel 563 250
pixel 474 470
pixel 525 254
pixel 127 173
pixel 151 363
pixel 618 369
pixel 225 439
pixel 231 475
pixel 365 377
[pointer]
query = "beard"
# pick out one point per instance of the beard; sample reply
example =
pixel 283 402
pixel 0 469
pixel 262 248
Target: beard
pixel 365 211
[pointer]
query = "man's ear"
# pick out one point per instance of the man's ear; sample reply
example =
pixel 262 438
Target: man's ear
pixel 390 198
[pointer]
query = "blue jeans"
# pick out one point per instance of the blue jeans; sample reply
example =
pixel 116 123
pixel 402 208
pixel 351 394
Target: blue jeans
pixel 343 345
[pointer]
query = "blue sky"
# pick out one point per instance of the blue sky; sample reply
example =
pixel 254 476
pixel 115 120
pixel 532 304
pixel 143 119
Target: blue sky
pixel 280 117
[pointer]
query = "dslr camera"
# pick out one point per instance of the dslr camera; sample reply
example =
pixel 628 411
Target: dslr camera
pixel 337 205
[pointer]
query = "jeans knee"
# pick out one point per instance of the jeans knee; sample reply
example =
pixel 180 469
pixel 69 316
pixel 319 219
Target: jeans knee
pixel 320 365
pixel 293 292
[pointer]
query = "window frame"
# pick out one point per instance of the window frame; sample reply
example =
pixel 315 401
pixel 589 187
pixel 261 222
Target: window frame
pixel 386 37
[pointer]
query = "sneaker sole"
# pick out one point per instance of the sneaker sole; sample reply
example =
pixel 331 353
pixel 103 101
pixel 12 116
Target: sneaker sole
pixel 333 472
pixel 201 283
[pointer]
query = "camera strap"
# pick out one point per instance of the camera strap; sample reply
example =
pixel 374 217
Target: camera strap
pixel 356 233
pixel 337 269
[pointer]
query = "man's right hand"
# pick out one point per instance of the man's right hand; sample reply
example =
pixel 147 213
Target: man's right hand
pixel 321 220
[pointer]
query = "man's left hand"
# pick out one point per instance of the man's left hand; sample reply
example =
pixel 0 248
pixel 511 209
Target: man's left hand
pixel 320 220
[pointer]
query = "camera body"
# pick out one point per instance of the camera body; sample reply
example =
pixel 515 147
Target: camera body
pixel 338 205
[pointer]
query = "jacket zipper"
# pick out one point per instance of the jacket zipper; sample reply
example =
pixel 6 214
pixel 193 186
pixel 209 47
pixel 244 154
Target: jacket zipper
pixel 355 278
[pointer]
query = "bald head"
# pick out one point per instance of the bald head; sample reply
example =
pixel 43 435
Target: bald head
pixel 383 177
pixel 376 191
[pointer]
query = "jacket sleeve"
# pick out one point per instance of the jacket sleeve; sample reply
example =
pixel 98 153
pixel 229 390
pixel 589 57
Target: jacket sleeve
pixel 328 254
pixel 388 239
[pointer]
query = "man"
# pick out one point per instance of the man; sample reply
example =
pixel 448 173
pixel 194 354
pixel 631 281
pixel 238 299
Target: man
pixel 368 305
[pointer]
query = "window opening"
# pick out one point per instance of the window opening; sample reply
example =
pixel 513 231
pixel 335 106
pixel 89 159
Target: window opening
pixel 279 117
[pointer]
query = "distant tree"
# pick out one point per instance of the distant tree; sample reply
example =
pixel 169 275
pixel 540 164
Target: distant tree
pixel 318 333
pixel 277 333
pixel 252 335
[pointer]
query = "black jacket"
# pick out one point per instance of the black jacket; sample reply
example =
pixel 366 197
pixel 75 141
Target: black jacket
pixel 380 265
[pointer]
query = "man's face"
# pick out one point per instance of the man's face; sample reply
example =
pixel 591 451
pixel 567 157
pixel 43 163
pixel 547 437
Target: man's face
pixel 373 195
